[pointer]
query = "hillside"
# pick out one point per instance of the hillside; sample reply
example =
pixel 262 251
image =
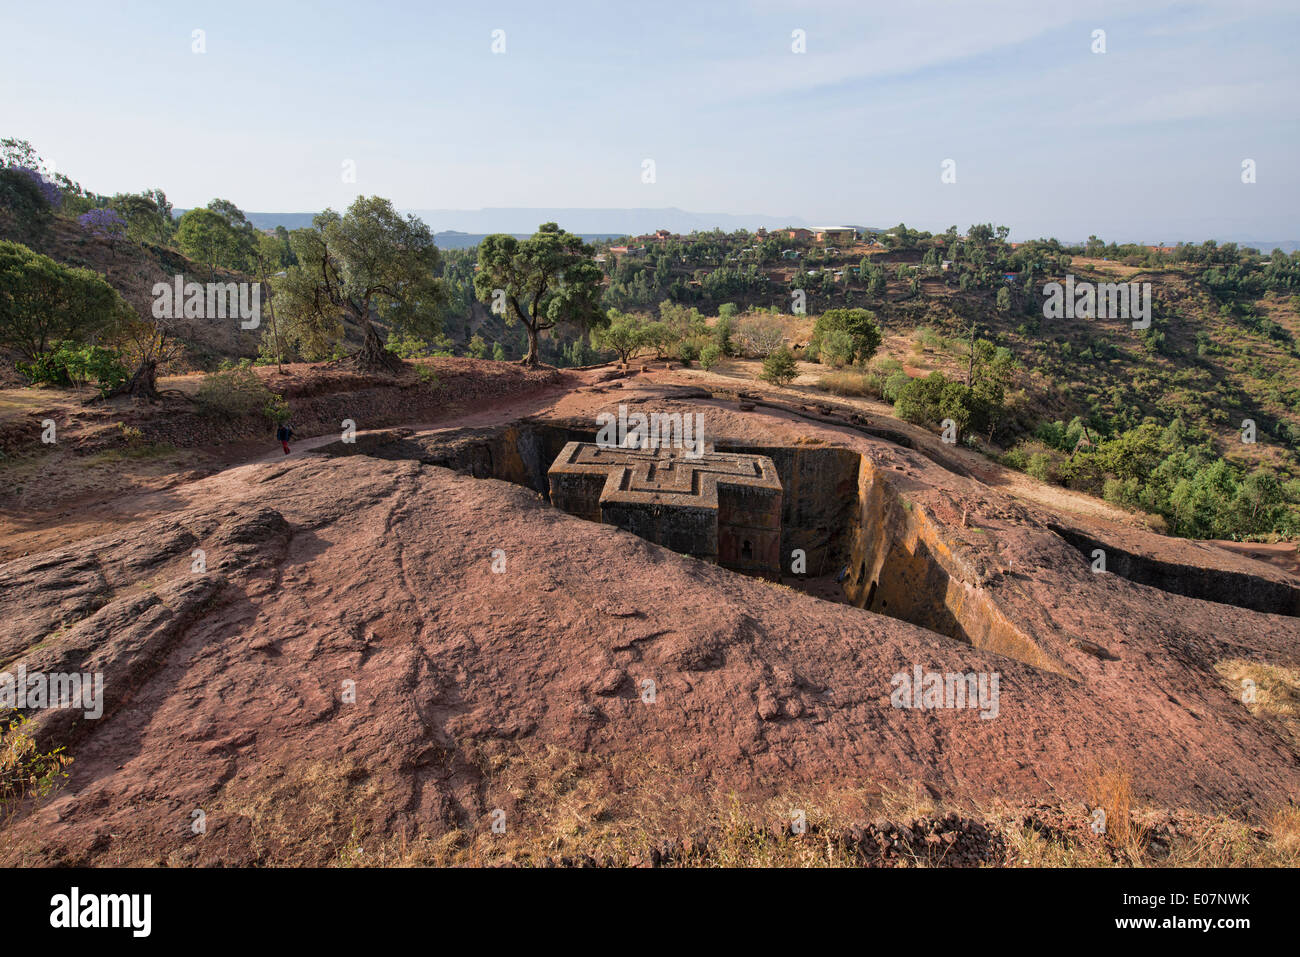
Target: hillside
pixel 133 269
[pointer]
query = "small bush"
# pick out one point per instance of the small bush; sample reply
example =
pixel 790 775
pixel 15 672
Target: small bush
pixel 25 771
pixel 710 356
pixel 430 378
pixel 779 368
pixel 894 384
pixel 1016 459
pixel 723 330
pixel 1040 466
pixel 70 364
pixel 238 391
pixel 412 347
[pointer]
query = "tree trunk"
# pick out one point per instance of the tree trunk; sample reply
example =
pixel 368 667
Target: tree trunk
pixel 275 332
pixel 970 366
pixel 373 355
pixel 143 382
pixel 531 359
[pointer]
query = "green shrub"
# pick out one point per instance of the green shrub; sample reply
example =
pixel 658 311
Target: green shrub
pixel 779 367
pixel 239 391
pixel 271 351
pixel 430 378
pixel 688 352
pixel 836 348
pixel 845 335
pixel 710 356
pixel 722 331
pixel 411 347
pixel 1040 466
pixel 70 364
pixel 894 385
pixel 1016 459
pixel 919 400
pixel 26 771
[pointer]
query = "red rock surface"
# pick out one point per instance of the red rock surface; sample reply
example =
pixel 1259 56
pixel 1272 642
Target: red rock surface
pixel 321 571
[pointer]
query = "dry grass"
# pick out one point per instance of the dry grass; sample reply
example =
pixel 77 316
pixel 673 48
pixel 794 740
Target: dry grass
pixel 569 808
pixel 1268 691
pixel 1111 792
pixel 851 383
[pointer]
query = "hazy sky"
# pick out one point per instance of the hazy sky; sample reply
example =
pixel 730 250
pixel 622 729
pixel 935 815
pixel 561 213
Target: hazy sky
pixel 1142 142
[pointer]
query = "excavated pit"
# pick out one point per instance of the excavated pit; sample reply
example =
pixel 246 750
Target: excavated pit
pixel 1220 585
pixel 846 534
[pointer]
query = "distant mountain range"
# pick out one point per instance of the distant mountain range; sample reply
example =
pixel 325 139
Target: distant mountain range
pixel 609 222
pixel 591 223
pixel 462 228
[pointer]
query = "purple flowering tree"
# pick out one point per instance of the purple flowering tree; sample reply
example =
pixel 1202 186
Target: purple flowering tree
pixel 106 225
pixel 53 195
pixel 103 223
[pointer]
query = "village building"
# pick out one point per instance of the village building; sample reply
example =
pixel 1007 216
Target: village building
pixel 836 234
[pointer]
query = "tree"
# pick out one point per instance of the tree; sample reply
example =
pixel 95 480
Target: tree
pixel 660 336
pixel 43 302
pixel 760 335
pixel 1004 300
pixel 16 152
pixel 104 224
pixel 27 200
pixel 921 400
pixel 268 255
pixel 146 220
pixel 779 367
pixel 625 335
pixel 992 371
pixel 150 342
pixel 208 238
pixel 368 263
pixel 541 281
pixel 722 334
pixel 858 324
pixel 59 189
pixel 243 236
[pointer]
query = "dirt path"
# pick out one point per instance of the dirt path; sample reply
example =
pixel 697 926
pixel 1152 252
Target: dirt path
pixel 91 496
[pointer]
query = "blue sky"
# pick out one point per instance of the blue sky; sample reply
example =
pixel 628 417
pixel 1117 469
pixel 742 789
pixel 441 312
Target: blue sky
pixel 1143 142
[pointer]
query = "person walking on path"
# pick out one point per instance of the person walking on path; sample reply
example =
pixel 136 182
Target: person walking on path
pixel 284 433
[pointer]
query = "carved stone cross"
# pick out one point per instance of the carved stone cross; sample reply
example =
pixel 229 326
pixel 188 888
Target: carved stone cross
pixel 723 507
